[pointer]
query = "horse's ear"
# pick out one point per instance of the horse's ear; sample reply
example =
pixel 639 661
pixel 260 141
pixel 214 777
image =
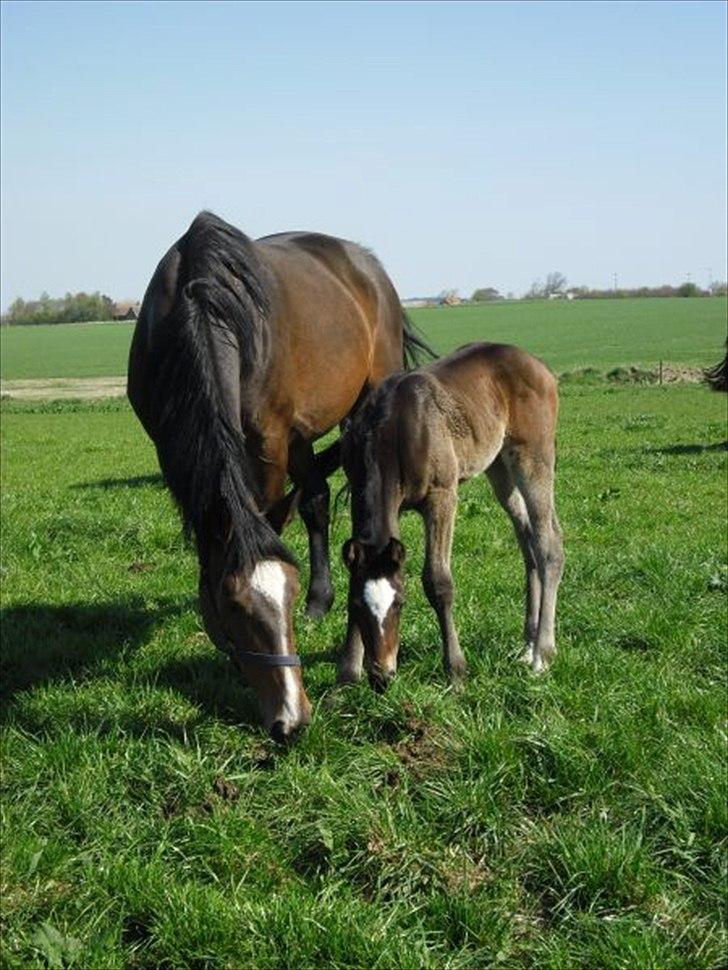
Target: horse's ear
pixel 394 552
pixel 352 552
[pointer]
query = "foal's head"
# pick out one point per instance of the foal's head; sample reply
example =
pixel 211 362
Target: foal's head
pixel 376 594
pixel 248 614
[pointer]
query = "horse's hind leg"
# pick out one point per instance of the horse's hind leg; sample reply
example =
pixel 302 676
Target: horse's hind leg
pixel 514 504
pixel 532 469
pixel 438 512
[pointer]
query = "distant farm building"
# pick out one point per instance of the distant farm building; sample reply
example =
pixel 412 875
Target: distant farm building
pixel 126 310
pixel 419 301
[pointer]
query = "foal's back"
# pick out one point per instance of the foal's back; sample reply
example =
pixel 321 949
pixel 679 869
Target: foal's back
pixel 456 415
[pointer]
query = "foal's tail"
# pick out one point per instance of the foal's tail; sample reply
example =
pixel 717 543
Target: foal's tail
pixel 415 351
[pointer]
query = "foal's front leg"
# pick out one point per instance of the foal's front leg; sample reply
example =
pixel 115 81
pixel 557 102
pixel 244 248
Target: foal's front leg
pixel 438 512
pixel 352 656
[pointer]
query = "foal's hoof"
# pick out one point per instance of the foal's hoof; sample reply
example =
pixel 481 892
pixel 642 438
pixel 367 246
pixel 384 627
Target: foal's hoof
pixel 347 676
pixel 540 660
pixel 457 674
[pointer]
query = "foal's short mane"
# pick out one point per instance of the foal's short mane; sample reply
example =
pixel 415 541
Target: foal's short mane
pixel 360 459
pixel 223 296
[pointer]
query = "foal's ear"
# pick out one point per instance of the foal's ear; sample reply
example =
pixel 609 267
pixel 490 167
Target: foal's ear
pixel 394 552
pixel 352 552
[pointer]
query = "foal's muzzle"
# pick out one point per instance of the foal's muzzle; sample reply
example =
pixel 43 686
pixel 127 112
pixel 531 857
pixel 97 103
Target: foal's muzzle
pixel 379 680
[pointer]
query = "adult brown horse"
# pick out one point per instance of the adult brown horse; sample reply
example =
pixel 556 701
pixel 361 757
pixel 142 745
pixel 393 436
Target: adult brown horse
pixel 245 353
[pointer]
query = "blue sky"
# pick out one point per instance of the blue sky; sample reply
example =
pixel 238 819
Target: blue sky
pixel 469 144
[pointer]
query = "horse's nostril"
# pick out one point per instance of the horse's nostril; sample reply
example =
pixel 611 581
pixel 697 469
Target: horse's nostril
pixel 278 732
pixel 282 734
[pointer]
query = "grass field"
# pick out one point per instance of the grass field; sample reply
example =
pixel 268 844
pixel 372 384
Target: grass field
pixel 599 333
pixel 574 820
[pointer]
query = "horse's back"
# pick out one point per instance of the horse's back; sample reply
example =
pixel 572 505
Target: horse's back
pixel 339 280
pixel 501 385
pixel 337 325
pixel 505 364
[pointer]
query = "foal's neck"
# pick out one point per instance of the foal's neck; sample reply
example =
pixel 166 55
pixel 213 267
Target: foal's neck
pixel 375 505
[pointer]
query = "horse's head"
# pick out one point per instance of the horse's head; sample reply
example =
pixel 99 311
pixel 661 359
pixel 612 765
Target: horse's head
pixel 248 614
pixel 376 594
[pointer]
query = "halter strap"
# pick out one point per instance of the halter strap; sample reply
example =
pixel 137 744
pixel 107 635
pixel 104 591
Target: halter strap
pixel 269 659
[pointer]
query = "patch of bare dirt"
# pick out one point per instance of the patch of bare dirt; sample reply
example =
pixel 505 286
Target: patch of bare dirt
pixel 57 388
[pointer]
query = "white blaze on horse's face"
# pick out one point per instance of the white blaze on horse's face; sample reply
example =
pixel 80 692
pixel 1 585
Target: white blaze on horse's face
pixel 379 595
pixel 269 580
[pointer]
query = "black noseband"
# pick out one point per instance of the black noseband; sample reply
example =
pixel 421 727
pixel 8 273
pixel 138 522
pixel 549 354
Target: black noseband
pixel 269 659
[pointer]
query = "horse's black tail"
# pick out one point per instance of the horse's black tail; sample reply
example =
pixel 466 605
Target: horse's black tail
pixel 200 443
pixel 415 351
pixel 717 376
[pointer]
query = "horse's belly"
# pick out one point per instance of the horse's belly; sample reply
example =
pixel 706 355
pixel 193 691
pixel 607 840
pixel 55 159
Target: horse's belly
pixel 324 396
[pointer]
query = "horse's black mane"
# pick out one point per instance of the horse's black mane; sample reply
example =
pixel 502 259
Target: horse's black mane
pixel 223 296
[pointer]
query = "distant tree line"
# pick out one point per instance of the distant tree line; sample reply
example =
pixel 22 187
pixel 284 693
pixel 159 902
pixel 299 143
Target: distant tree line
pixel 71 308
pixel 556 285
pixel 684 290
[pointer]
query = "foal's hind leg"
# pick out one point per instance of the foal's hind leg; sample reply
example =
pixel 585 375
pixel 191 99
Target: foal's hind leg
pixel 513 502
pixel 532 469
pixel 438 511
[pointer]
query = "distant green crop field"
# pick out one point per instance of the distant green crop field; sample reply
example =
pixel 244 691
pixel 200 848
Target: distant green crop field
pixel 596 333
pixel 572 820
pixel 568 335
pixel 65 350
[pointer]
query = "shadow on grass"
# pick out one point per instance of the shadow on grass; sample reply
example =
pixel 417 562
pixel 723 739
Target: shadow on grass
pixel 43 642
pixel 213 684
pixel 688 449
pixel 136 481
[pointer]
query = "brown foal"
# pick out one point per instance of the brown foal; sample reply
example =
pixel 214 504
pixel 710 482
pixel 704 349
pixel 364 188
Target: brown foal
pixel 488 408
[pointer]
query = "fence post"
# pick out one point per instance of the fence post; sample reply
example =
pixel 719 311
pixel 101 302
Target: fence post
pixel 660 373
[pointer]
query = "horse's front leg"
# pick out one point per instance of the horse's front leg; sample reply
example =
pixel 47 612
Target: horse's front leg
pixel 314 509
pixel 438 512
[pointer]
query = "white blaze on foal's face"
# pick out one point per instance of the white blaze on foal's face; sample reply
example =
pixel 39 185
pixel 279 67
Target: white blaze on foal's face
pixel 379 595
pixel 270 581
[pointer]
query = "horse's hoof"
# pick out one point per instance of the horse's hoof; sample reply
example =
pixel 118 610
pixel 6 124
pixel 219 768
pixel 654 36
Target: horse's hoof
pixel 318 606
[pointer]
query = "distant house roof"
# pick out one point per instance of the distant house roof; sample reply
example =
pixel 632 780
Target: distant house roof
pixel 126 310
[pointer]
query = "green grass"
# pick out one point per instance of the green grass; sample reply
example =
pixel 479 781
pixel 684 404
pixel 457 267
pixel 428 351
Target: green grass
pixel 574 820
pixel 600 333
